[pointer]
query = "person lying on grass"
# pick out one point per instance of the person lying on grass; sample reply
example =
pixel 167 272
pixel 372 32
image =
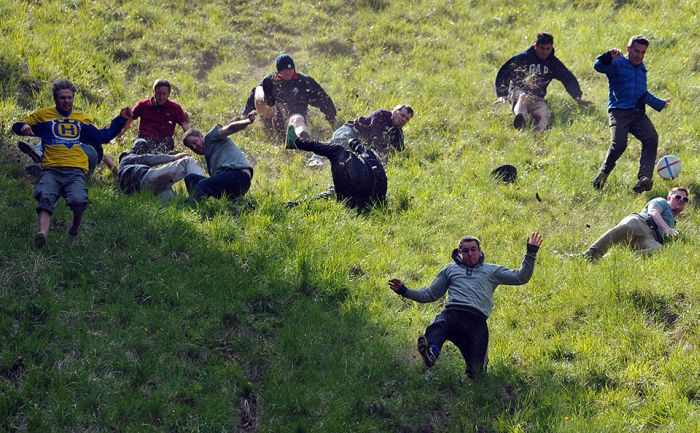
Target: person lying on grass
pixel 157 173
pixel 647 230
pixel 229 170
pixel 469 283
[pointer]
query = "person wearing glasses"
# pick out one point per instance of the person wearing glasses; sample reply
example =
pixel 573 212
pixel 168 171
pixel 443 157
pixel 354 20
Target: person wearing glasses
pixel 469 283
pixel 647 230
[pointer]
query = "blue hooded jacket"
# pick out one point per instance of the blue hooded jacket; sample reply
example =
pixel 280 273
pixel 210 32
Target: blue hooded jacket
pixel 627 83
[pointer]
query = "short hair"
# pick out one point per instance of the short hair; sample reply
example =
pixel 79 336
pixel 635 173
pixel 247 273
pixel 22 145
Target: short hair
pixel 161 82
pixel 544 38
pixel 62 84
pixel 466 239
pixel 190 133
pixel 679 188
pixel 638 39
pixel 404 106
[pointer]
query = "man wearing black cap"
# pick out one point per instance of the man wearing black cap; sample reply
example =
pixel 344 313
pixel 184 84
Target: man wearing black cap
pixel 283 98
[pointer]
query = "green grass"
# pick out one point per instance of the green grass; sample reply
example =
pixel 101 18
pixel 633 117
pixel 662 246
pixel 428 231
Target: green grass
pixel 254 317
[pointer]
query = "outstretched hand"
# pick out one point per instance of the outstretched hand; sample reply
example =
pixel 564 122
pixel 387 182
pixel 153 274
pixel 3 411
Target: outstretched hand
pixel 27 130
pixel 535 239
pixel 126 113
pixel 252 115
pixel 615 53
pixel 395 284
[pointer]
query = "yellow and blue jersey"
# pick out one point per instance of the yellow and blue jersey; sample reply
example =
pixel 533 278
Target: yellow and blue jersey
pixel 63 137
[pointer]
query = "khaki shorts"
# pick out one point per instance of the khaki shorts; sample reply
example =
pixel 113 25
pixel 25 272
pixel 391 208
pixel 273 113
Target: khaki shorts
pixel 534 103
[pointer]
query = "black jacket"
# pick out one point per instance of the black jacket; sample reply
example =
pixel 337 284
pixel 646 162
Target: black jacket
pixel 527 72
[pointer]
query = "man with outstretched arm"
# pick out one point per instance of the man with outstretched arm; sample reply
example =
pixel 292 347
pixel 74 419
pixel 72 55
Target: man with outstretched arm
pixel 469 283
pixel 65 137
pixel 627 98
pixel 523 81
pixel 647 230
pixel 229 170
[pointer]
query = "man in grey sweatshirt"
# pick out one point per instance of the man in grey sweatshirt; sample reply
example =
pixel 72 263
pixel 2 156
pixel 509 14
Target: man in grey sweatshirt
pixel 469 283
pixel 157 173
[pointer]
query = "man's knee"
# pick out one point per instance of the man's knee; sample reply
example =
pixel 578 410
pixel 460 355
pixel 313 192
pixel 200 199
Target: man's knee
pixel 265 111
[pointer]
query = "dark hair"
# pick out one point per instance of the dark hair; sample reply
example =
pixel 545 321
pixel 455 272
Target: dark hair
pixel 404 106
pixel 161 82
pixel 544 38
pixel 639 39
pixel 190 133
pixel 466 239
pixel 62 84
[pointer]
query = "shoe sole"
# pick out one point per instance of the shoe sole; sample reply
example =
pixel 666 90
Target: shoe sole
pixel 424 350
pixel 519 121
pixel 641 187
pixel 29 151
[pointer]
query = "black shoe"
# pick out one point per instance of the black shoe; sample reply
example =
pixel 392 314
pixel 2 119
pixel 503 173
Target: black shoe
pixel 519 121
pixel 28 150
pixel 643 184
pixel 33 170
pixel 599 180
pixel 426 352
pixel 190 183
pixel 291 138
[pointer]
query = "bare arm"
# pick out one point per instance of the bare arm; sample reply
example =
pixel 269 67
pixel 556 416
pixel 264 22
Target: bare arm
pixel 238 125
pixel 185 126
pixel 126 128
pixel 655 213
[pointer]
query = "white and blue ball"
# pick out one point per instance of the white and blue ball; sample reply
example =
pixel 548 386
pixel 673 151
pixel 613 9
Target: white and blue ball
pixel 668 167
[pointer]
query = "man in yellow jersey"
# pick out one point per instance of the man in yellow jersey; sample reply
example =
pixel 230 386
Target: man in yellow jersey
pixel 64 134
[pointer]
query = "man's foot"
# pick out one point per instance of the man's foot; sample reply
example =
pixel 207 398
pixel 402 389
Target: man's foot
pixel 643 184
pixel 426 352
pixel 40 240
pixel 33 170
pixel 291 137
pixel 599 180
pixel 519 121
pixel 28 150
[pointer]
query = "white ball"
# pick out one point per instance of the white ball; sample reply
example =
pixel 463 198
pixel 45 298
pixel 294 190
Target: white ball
pixel 668 167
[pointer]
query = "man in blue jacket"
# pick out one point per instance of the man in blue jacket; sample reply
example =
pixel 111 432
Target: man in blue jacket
pixel 523 82
pixel 469 283
pixel 627 99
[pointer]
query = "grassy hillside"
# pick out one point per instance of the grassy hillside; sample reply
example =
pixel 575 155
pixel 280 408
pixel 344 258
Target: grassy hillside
pixel 253 316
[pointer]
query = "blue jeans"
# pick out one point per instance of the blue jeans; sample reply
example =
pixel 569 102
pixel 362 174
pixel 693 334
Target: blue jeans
pixel 231 183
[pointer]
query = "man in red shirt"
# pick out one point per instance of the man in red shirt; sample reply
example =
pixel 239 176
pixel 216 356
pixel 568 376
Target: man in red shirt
pixel 158 115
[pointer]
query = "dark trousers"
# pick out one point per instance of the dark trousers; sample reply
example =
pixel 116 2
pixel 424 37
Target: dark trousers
pixel 637 123
pixel 360 187
pixel 468 331
pixel 231 183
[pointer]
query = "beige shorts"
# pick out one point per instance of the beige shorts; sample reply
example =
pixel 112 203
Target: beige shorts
pixel 533 102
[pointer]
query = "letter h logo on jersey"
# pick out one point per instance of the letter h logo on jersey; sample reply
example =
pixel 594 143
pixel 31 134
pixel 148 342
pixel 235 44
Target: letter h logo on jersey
pixel 66 128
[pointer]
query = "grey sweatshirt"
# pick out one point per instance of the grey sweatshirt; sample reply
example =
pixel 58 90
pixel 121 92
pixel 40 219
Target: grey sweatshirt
pixel 132 169
pixel 472 289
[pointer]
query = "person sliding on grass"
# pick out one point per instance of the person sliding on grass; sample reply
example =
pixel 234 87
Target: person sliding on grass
pixel 157 173
pixel 283 99
pixel 68 138
pixel 647 230
pixel 381 131
pixel 229 170
pixel 359 178
pixel 469 283
pixel 524 78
